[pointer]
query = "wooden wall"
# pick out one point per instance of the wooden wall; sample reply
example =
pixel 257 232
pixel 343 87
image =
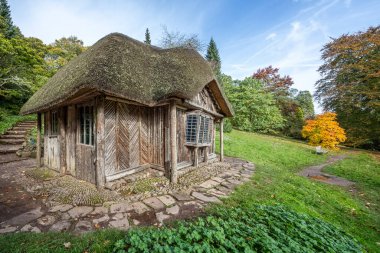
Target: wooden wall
pixel 183 152
pixel 205 100
pixel 134 136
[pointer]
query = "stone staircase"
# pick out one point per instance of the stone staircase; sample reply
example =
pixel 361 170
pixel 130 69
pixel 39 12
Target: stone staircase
pixel 12 140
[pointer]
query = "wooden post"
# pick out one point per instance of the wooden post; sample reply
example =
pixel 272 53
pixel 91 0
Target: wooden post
pixel 196 157
pixel 62 139
pixel 38 155
pixel 100 143
pixel 205 152
pixel 221 141
pixel 173 142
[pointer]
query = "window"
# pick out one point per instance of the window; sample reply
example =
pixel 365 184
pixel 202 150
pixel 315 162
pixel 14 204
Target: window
pixel 198 129
pixel 54 123
pixel 86 117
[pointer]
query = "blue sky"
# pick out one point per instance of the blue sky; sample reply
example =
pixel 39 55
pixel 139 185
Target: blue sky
pixel 287 34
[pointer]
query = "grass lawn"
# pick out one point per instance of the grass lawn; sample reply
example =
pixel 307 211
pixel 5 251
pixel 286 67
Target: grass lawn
pixel 275 182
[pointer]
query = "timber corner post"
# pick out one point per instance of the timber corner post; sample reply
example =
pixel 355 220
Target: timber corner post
pixel 100 143
pixel 221 141
pixel 38 153
pixel 173 142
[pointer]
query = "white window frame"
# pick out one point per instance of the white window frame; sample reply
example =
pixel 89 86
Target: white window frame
pixel 202 129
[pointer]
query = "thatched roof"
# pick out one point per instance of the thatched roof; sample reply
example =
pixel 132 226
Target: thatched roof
pixel 123 67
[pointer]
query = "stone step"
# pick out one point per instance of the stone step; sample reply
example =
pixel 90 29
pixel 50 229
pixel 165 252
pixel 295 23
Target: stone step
pixel 8 149
pixel 24 125
pixel 11 141
pixel 21 128
pixel 15 132
pixel 12 136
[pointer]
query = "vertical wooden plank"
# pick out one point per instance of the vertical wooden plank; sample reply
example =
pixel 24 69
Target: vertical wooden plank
pixel 62 139
pixel 205 153
pixel 133 129
pixel 38 155
pixel 123 120
pixel 110 137
pixel 221 141
pixel 173 142
pixel 100 142
pixel 71 134
pixel 196 157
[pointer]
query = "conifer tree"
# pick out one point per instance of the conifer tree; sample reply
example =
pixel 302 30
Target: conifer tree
pixel 147 37
pixel 213 57
pixel 5 13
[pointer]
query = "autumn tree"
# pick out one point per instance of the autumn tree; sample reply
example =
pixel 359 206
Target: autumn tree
pixel 273 81
pixel 147 37
pixel 324 131
pixel 350 85
pixel 213 57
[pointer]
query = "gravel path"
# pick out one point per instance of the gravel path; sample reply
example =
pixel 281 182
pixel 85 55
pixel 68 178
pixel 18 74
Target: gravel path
pixel 315 173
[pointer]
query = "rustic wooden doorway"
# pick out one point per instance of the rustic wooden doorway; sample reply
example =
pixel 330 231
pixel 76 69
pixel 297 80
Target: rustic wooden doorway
pixel 85 148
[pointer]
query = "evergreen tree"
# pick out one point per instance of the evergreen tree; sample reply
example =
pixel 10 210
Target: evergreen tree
pixel 8 28
pixel 147 37
pixel 213 57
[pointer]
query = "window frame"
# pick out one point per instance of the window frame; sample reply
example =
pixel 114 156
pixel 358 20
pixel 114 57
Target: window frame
pixel 82 129
pixel 202 137
pixel 54 124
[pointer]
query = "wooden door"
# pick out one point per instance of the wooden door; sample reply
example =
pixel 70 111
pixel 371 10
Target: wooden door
pixel 85 159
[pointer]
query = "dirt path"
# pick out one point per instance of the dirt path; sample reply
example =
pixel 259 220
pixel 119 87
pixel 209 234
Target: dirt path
pixel 315 173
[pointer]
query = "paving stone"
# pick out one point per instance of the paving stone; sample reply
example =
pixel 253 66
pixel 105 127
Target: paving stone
pixel 161 217
pixel 25 218
pixel 135 222
pixel 62 225
pixel 180 196
pixel 209 184
pixel 217 193
pixel 118 216
pixel 224 189
pixel 120 207
pixel 65 216
pixel 30 228
pixel 140 207
pixel 195 203
pixel 83 226
pixel 233 181
pixel 80 211
pixel 205 198
pixel 120 224
pixel 61 208
pixel 167 200
pixel 101 219
pixel 228 185
pixel 218 179
pixel 8 230
pixel 100 210
pixel 46 220
pixel 154 203
pixel 173 210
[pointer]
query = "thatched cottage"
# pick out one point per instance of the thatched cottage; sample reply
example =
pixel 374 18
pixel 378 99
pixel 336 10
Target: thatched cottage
pixel 123 106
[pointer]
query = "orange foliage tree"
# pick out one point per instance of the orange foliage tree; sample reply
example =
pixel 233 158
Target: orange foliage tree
pixel 324 131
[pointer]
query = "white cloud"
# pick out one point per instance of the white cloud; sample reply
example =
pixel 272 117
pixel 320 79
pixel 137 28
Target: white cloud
pixel 271 36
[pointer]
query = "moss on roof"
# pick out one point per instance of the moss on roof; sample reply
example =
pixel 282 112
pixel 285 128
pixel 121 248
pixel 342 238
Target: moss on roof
pixel 121 66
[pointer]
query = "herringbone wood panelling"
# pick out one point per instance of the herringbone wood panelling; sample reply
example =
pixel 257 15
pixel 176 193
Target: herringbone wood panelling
pixel 122 140
pixel 134 135
pixel 144 132
pixel 110 137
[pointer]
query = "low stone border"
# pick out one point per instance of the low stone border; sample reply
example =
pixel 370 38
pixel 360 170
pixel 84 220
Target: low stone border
pixel 154 210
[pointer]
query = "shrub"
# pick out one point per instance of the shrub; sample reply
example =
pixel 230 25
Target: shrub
pixel 261 229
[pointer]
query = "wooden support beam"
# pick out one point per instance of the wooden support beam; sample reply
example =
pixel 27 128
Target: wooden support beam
pixel 221 141
pixel 100 143
pixel 38 155
pixel 62 139
pixel 196 157
pixel 173 142
pixel 205 152
pixel 71 139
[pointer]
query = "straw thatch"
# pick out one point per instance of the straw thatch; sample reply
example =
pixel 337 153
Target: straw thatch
pixel 121 66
